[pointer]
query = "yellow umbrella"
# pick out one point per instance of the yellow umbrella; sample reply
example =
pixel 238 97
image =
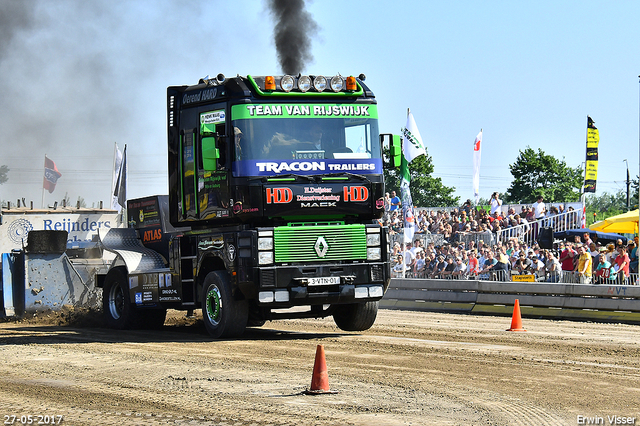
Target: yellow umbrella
pixel 626 223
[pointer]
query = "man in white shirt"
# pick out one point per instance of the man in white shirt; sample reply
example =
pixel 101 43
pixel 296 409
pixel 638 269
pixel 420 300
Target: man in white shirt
pixel 496 202
pixel 539 208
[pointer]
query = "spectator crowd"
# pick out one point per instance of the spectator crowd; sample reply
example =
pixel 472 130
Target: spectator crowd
pixel 581 260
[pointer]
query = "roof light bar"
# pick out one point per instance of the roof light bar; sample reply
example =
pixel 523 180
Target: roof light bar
pixel 320 83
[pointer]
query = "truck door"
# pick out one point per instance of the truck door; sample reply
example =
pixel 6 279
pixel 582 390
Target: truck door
pixel 213 167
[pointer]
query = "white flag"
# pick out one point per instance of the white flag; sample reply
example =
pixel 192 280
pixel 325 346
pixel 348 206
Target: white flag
pixel 476 166
pixel 412 145
pixel 117 165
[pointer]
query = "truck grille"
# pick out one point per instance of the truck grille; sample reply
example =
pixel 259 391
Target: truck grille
pixel 319 243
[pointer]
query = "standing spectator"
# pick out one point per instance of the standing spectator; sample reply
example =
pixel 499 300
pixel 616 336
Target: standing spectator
pixel 409 259
pixel 439 268
pixel 567 254
pixel 496 202
pixel 418 267
pixel 448 270
pixel 398 268
pixel 633 256
pixel 473 269
pixel 387 204
pixel 395 202
pixel 417 247
pixel 622 264
pixel 553 271
pixel 488 266
pixel 501 267
pixel 537 266
pixel 523 264
pixel 460 269
pixel 584 268
pixel 539 209
pixel 604 273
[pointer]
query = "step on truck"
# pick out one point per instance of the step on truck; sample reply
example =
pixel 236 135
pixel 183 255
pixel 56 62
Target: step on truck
pixel 275 194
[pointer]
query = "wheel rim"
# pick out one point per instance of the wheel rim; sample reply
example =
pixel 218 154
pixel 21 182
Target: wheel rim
pixel 214 305
pixel 116 301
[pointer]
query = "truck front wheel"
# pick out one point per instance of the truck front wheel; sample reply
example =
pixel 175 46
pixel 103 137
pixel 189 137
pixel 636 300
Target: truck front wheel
pixel 356 316
pixel 223 315
pixel 118 310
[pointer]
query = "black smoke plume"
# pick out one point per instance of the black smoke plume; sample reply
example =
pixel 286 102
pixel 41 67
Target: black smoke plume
pixel 293 31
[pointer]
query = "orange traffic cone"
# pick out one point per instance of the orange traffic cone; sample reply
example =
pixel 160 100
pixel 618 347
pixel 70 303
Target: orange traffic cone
pixel 516 320
pixel 320 378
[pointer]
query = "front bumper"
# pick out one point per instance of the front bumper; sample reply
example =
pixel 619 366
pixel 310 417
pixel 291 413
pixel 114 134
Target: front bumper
pixel 296 285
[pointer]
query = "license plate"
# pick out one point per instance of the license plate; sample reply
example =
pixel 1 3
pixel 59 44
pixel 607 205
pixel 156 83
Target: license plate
pixel 324 281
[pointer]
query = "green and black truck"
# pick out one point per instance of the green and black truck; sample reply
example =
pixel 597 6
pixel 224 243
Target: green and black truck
pixel 275 194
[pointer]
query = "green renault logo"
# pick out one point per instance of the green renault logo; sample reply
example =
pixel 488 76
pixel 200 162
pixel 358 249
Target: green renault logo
pixel 321 247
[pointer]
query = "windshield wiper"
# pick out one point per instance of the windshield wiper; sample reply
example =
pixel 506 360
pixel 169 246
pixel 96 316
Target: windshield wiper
pixel 348 174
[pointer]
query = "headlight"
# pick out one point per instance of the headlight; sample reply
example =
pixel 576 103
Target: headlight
pixel 286 83
pixel 373 253
pixel 266 257
pixel 376 291
pixel 361 292
pixel 320 83
pixel 304 83
pixel 373 239
pixel 265 243
pixel 337 83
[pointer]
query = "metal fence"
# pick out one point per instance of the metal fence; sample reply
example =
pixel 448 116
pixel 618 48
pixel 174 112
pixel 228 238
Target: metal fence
pixel 566 277
pixel 528 233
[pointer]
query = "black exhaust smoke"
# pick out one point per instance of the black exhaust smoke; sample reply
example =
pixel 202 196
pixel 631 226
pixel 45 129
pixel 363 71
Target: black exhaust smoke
pixel 293 30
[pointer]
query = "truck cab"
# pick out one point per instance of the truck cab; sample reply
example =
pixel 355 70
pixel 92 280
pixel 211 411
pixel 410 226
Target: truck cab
pixel 276 187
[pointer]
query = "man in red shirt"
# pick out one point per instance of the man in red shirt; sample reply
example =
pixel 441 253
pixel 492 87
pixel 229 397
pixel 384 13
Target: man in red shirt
pixel 622 264
pixel 567 256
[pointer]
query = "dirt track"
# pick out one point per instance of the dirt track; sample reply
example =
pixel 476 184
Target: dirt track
pixel 411 368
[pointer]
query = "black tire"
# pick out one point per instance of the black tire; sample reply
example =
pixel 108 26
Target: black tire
pixel 223 315
pixel 356 317
pixel 118 310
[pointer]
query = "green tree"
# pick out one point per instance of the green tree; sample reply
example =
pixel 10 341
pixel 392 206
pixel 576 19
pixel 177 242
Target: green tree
pixel 426 190
pixel 536 173
pixel 633 196
pixel 3 174
pixel 605 205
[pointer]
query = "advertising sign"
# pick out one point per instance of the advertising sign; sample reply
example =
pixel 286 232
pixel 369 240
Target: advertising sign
pixel 80 225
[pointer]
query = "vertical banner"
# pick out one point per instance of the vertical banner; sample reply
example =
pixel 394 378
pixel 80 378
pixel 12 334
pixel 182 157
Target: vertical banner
pixel 476 166
pixel 591 169
pixel 412 147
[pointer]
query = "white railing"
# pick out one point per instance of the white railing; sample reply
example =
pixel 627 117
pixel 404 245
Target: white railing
pixel 528 233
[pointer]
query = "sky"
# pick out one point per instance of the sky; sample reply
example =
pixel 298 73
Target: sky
pixel 76 77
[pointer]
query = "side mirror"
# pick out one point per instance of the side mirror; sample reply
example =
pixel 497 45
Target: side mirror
pixel 392 145
pixel 210 154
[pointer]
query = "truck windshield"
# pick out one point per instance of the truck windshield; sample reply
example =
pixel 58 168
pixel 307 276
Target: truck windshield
pixel 298 137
